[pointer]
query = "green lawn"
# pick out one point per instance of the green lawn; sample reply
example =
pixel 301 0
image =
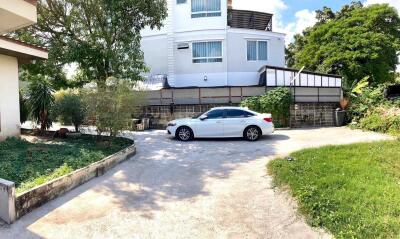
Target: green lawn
pixel 31 164
pixel 353 191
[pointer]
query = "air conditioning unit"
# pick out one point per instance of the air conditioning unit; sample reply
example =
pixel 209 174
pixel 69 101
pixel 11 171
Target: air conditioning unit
pixel 182 46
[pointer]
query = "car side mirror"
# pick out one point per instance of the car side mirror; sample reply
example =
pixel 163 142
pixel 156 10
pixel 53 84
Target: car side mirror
pixel 203 117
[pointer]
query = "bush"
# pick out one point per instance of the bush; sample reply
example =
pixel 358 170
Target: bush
pixel 112 106
pixel 69 108
pixel 276 102
pixel 252 103
pixel 383 119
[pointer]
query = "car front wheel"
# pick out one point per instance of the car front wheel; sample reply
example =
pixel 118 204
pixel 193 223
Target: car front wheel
pixel 184 133
pixel 252 133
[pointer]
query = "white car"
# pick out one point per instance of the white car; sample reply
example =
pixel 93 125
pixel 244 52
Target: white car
pixel 223 122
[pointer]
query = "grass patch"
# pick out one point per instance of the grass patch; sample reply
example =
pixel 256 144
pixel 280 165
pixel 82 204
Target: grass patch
pixel 31 164
pixel 353 191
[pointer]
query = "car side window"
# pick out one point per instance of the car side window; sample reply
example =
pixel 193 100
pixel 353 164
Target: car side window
pixel 237 114
pixel 215 114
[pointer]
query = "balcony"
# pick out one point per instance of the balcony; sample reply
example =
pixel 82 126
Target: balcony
pixel 250 20
pixel 15 14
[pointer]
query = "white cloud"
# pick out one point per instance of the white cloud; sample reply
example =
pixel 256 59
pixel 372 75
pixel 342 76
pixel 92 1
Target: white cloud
pixel 393 3
pixel 304 18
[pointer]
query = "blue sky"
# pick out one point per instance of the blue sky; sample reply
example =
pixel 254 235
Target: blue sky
pixel 293 6
pixel 293 16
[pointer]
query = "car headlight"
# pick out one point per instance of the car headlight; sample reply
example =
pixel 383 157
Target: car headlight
pixel 171 124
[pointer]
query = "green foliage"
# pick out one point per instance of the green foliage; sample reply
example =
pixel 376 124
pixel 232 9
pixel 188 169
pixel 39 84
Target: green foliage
pixel 354 42
pixel 101 36
pixel 23 107
pixel 276 102
pixel 69 108
pixel 31 164
pixel 352 191
pixel 383 119
pixel 41 101
pixel 113 106
pixel 366 99
pixel 252 103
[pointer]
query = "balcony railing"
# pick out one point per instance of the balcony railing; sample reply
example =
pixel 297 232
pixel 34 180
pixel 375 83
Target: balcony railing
pixel 249 20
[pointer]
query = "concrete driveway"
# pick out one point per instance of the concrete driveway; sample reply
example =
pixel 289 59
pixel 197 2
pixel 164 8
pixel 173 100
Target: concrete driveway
pixel 200 189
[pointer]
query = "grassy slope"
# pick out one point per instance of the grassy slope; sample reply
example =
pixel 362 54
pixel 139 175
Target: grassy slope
pixel 353 191
pixel 29 165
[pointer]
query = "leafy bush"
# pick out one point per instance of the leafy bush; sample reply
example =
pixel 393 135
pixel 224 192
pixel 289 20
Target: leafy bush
pixel 384 119
pixel 70 108
pixel 112 106
pixel 41 101
pixel 252 103
pixel 276 102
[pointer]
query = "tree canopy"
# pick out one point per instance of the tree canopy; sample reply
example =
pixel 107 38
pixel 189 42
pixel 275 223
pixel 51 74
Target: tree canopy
pixel 356 41
pixel 101 36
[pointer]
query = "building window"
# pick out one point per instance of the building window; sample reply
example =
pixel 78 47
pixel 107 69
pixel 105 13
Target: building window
pixel 257 50
pixel 180 1
pixel 206 8
pixel 207 52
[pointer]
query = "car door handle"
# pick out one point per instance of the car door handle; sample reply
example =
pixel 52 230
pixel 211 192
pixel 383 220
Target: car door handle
pixel 218 122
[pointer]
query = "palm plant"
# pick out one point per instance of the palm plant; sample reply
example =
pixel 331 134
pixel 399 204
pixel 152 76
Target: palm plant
pixel 41 100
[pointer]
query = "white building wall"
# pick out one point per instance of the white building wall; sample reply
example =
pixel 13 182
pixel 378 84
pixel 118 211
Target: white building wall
pixel 162 56
pixel 9 97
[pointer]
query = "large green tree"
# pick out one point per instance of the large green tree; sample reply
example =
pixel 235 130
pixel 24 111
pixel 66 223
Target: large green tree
pixel 101 36
pixel 356 41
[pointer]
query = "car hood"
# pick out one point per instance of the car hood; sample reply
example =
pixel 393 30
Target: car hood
pixel 184 120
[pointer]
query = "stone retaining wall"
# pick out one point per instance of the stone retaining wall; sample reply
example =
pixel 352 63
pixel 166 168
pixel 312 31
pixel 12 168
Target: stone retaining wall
pixel 38 196
pixel 313 115
pixel 302 114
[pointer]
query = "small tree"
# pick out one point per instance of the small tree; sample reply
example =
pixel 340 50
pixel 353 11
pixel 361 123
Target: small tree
pixel 112 106
pixel 70 108
pixel 41 101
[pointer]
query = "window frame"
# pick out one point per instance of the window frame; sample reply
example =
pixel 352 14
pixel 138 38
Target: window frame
pixel 223 113
pixel 207 58
pixel 179 2
pixel 246 114
pixel 201 14
pixel 257 49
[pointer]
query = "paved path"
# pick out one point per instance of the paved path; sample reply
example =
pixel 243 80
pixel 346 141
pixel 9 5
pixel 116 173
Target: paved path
pixel 170 189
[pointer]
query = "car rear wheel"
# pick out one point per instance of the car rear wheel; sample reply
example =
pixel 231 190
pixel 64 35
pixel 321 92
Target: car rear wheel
pixel 252 133
pixel 184 133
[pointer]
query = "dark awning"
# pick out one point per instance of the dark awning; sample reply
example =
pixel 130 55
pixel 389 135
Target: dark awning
pixel 249 20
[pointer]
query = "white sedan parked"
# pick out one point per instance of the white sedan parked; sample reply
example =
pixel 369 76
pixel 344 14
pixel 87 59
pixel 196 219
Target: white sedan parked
pixel 223 122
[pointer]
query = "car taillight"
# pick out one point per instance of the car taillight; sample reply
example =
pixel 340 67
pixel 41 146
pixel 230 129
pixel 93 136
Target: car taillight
pixel 269 119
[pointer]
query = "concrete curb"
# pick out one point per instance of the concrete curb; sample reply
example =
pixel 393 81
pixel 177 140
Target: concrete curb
pixel 14 207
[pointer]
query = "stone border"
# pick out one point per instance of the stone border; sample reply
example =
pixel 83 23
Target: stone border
pixel 16 207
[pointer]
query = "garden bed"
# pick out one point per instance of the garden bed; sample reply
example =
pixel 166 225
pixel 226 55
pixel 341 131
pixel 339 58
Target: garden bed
pixel 40 160
pixel 353 191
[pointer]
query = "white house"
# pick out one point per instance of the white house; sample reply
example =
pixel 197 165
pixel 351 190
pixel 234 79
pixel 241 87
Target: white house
pixel 14 14
pixel 206 43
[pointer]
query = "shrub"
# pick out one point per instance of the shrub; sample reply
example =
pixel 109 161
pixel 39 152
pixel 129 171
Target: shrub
pixel 252 103
pixel 69 108
pixel 384 119
pixel 276 102
pixel 112 106
pixel 41 101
